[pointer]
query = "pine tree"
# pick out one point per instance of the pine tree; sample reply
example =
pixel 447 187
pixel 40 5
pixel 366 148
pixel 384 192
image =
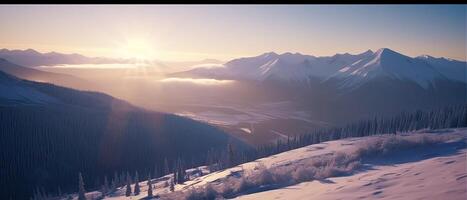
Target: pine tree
pixel 113 186
pixel 105 187
pixel 149 186
pixel 38 195
pixel 123 180
pixel 175 173
pixel 137 189
pixel 156 172
pixel 81 193
pixel 59 191
pixel 166 167
pixel 231 155
pixel 172 185
pixel 128 185
pixel 116 181
pixel 180 172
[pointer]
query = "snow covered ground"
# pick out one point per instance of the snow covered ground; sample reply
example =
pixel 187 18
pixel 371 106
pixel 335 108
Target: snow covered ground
pixel 442 177
pixel 421 165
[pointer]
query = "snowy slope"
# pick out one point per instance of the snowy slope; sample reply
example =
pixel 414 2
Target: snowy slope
pixel 441 177
pixel 453 69
pixel 388 63
pixel 433 171
pixel 350 70
pixel 13 89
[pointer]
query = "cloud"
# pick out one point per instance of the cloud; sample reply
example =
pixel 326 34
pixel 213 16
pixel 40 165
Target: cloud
pixel 196 81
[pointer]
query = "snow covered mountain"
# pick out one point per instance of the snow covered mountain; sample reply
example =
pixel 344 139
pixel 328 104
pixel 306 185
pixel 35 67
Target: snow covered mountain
pixel 350 70
pixel 389 64
pixel 287 66
pixel 453 69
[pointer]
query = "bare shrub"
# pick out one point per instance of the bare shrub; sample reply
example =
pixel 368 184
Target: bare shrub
pixel 303 173
pixel 210 192
pixel 243 185
pixel 206 193
pixel 264 177
pixel 390 144
pixel 228 190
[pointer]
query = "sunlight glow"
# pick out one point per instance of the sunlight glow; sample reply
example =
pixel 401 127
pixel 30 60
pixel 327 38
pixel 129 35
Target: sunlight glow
pixel 136 48
pixel 95 66
pixel 197 81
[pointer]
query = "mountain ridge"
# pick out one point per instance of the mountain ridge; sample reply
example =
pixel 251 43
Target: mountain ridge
pixel 350 68
pixel 33 58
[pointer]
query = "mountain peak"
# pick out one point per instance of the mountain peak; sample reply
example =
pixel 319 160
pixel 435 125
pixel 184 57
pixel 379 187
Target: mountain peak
pixel 272 53
pixel 290 53
pixel 31 51
pixel 425 56
pixel 388 54
pixel 368 52
pixel 210 60
pixel 386 51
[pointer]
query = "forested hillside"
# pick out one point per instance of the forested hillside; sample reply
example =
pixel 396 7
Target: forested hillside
pixel 44 144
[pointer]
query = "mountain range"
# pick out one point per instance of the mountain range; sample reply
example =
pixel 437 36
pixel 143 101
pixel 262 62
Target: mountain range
pixel 350 70
pixel 33 58
pixel 346 86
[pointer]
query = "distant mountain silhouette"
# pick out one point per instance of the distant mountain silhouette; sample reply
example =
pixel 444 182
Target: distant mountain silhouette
pixel 33 58
pixel 42 76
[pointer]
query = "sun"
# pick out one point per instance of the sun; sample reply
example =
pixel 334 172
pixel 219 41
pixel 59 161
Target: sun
pixel 136 48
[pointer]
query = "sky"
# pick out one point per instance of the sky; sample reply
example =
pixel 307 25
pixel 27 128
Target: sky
pixel 196 32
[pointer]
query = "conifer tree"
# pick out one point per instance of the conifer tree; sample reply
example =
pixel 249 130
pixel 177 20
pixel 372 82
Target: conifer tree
pixel 180 172
pixel 116 180
pixel 166 167
pixel 175 176
pixel 113 186
pixel 172 185
pixel 123 179
pixel 231 155
pixel 59 191
pixel 137 189
pixel 128 185
pixel 156 172
pixel 149 186
pixel 81 192
pixel 105 187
